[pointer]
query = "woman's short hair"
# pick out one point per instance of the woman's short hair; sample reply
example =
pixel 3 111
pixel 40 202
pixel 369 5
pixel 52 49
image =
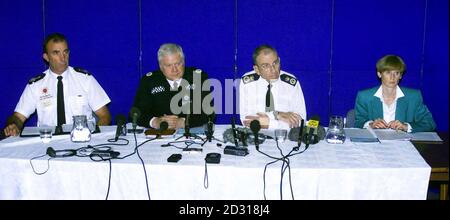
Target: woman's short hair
pixel 391 62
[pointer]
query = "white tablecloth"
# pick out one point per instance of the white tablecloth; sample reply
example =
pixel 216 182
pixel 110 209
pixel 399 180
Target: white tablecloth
pixel 387 170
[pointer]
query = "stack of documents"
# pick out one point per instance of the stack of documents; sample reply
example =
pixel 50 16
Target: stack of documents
pixel 375 135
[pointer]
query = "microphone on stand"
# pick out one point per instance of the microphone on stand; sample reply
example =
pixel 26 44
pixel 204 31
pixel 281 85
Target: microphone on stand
pixel 255 126
pixel 311 130
pixel 135 113
pixel 162 127
pixel 233 129
pixel 300 134
pixel 209 129
pixel 120 121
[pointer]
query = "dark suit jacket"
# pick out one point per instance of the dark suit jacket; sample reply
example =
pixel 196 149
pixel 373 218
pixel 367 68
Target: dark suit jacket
pixel 153 97
pixel 410 109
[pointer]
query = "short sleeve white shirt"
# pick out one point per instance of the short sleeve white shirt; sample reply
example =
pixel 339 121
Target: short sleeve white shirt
pixel 82 95
pixel 287 93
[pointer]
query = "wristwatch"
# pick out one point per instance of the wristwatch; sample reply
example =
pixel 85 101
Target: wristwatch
pixel 275 114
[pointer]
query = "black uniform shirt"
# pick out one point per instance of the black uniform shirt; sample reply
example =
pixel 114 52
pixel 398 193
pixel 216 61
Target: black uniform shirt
pixel 153 97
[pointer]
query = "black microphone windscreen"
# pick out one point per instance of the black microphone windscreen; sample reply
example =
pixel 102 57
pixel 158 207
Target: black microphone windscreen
pixel 255 126
pixel 51 152
pixel 135 112
pixel 120 119
pixel 294 133
pixel 163 125
pixel 315 118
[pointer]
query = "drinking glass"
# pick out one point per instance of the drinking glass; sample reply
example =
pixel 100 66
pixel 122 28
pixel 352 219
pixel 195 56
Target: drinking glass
pixel 335 133
pixel 280 135
pixel 45 132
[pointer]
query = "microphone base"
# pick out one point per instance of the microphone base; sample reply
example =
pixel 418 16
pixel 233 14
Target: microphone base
pixel 137 131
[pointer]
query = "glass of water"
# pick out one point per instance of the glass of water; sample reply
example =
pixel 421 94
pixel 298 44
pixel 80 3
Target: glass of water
pixel 280 135
pixel 45 132
pixel 335 133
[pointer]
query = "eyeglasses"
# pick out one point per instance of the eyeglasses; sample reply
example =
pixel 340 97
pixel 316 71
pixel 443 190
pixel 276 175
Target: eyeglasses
pixel 274 65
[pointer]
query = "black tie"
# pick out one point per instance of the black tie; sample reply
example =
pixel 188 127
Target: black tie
pixel 60 102
pixel 269 99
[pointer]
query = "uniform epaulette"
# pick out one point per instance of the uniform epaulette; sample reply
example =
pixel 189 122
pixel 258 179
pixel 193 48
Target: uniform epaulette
pixel 288 79
pixel 80 70
pixel 250 78
pixel 36 78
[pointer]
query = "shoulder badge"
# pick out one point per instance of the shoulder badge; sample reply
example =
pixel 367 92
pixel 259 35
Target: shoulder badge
pixel 80 70
pixel 36 78
pixel 250 78
pixel 198 71
pixel 149 74
pixel 288 79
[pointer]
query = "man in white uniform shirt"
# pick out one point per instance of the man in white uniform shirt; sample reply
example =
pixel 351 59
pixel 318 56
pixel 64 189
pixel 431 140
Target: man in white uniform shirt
pixel 267 94
pixel 60 92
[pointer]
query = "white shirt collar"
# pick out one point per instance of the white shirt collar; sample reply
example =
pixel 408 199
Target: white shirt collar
pixel 398 93
pixel 56 75
pixel 171 82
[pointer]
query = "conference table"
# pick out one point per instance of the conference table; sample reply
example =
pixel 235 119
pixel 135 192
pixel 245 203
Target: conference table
pixel 436 154
pixel 363 171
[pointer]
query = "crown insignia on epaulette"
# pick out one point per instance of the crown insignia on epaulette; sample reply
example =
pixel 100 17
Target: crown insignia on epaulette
pixel 36 78
pixel 250 78
pixel 288 79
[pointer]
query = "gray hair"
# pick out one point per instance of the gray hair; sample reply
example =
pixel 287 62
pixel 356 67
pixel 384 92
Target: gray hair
pixel 170 49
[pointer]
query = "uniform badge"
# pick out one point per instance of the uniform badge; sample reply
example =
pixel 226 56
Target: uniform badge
pixel 250 78
pixel 158 90
pixel 198 71
pixel 246 79
pixel 288 79
pixel 292 81
pixel 149 74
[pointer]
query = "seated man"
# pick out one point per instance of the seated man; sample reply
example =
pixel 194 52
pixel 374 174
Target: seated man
pixel 60 92
pixel 267 94
pixel 173 92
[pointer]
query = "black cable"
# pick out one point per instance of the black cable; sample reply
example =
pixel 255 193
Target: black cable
pixel 285 165
pixel 48 164
pixel 109 179
pixel 143 164
pixel 205 177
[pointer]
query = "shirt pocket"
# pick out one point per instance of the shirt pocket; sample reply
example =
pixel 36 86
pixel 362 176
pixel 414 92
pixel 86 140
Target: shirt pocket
pixel 79 105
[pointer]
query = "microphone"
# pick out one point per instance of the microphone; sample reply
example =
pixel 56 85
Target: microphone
pixel 311 129
pixel 135 113
pixel 233 129
pixel 120 121
pixel 300 134
pixel 209 129
pixel 163 126
pixel 255 126
pixel 51 152
pixel 296 135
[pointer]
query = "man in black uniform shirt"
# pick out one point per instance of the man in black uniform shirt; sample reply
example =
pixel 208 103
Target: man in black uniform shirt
pixel 173 92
